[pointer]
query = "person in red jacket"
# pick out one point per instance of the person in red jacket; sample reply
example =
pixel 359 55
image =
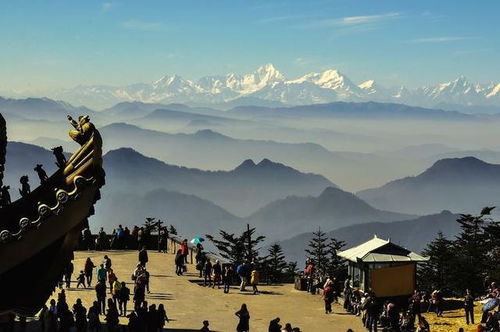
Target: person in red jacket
pixel 184 249
pixel 328 297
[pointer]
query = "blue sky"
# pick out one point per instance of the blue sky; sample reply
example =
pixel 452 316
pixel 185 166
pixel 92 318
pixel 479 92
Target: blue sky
pixel 53 44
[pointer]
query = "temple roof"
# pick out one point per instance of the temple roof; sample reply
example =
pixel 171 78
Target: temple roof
pixel 380 250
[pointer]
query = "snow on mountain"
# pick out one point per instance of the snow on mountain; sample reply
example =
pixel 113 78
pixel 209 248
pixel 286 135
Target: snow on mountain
pixel 267 83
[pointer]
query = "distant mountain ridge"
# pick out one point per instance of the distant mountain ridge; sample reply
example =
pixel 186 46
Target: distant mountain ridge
pixel 331 209
pixel 457 184
pixel 241 190
pixel 413 234
pixel 266 83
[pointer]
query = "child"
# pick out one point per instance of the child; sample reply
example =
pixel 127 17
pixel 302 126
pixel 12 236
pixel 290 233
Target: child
pixel 254 280
pixel 81 280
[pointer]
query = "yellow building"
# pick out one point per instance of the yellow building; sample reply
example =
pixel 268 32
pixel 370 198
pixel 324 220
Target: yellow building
pixel 382 267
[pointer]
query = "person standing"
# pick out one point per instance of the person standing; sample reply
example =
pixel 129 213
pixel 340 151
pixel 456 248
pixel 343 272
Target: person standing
pixel 179 263
pixel 111 279
pixel 80 314
pixel 469 307
pixel 143 256
pixel 102 274
pixel 123 298
pixel 88 269
pixel 100 290
pixel 107 263
pixel 93 317
pixel 112 319
pixel 244 316
pixel 217 271
pixel 227 277
pixel 184 249
pixel 68 272
pixel 162 316
pixel 328 297
pixel 207 273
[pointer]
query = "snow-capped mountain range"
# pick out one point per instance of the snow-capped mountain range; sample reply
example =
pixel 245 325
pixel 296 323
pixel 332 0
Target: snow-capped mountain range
pixel 267 84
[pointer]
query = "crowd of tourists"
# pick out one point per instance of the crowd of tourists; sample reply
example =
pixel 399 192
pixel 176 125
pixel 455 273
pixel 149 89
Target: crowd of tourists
pixel 224 275
pixel 120 238
pixel 388 315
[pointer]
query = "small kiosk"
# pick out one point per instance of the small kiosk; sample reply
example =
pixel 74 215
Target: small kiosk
pixel 382 267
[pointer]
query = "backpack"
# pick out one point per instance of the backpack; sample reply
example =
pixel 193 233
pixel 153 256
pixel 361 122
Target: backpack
pixel 239 269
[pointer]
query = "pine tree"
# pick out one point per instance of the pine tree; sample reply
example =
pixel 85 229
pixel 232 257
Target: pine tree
pixel 230 247
pixel 436 273
pixel 318 250
pixel 291 271
pixel 336 265
pixel 275 263
pixel 238 248
pixel 251 243
pixel 471 251
pixel 172 230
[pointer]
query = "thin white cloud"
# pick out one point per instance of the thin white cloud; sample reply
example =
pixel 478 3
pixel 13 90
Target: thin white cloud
pixel 359 20
pixel 106 6
pixel 143 26
pixel 302 61
pixel 435 40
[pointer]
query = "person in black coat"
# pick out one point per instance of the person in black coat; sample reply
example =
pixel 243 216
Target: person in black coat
pixel 143 256
pixel 274 325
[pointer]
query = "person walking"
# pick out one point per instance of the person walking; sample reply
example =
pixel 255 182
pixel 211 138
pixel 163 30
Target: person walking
pixel 254 280
pixel 244 316
pixel 469 307
pixel 81 280
pixel 242 271
pixel 143 256
pixel 88 269
pixel 123 298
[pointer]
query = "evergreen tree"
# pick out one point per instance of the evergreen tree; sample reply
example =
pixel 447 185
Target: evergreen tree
pixel 436 273
pixel 251 242
pixel 336 265
pixel 291 271
pixel 318 250
pixel 172 230
pixel 238 248
pixel 471 252
pixel 275 263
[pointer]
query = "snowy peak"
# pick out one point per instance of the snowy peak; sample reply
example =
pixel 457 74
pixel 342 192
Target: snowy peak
pixel 268 84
